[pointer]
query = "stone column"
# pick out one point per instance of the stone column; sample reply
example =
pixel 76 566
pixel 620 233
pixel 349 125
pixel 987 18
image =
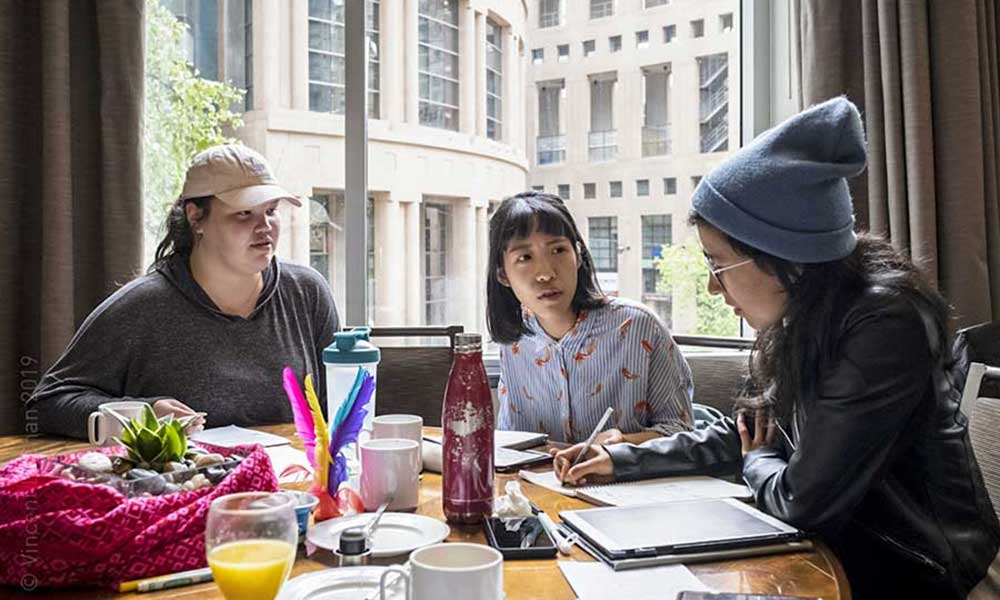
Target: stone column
pixel 482 256
pixel 467 68
pixel 392 60
pixel 414 289
pixel 390 252
pixel 411 78
pixel 463 252
pixel 300 54
pixel 267 58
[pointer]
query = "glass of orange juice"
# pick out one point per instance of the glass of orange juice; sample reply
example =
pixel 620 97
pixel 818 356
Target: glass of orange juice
pixel 250 539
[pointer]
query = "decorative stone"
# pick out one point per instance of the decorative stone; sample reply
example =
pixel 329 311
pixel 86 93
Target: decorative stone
pixel 199 481
pixel 95 461
pixel 151 485
pixel 140 474
pixel 208 459
pixel 173 466
pixel 216 474
pixel 170 488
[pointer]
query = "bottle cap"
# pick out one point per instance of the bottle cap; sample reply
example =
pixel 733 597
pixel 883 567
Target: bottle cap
pixel 351 348
pixel 468 342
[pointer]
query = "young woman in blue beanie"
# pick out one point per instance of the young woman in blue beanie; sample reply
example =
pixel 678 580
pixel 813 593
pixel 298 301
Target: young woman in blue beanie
pixel 568 351
pixel 849 426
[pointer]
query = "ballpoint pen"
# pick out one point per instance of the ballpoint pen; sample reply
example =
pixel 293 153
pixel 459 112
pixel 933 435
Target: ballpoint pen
pixel 590 440
pixel 563 543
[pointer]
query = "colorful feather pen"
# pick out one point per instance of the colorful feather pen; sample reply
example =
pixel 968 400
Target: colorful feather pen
pixel 304 426
pixel 322 436
pixel 347 427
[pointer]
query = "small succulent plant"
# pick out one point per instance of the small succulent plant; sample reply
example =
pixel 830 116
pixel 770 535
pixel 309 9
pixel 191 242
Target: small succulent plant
pixel 152 442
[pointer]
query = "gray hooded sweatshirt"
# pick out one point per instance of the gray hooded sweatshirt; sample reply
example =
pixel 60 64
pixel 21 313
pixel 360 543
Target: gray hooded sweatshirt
pixel 161 336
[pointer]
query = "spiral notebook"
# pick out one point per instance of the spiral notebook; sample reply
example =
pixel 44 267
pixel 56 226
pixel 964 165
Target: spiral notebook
pixel 646 491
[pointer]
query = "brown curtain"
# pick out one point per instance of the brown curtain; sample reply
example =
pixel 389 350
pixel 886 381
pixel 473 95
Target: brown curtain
pixel 925 75
pixel 71 90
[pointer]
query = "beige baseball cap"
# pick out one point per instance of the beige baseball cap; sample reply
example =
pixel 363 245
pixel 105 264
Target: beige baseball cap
pixel 235 174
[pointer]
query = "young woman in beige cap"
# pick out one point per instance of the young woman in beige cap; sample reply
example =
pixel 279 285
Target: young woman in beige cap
pixel 210 327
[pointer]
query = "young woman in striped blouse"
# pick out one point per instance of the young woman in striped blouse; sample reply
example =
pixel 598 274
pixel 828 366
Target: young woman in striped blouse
pixel 568 351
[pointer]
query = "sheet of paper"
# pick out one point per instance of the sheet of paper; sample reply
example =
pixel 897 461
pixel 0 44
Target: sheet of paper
pixel 506 457
pixel 597 581
pixel 231 435
pixel 547 480
pixel 283 457
pixel 668 489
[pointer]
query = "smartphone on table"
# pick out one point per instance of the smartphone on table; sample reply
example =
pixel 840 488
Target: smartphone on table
pixel 529 540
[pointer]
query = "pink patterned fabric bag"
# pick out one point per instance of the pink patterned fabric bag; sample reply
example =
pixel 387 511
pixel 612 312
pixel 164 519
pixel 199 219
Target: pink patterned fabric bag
pixel 56 532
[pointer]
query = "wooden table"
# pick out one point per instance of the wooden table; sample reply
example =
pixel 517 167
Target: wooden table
pixel 812 574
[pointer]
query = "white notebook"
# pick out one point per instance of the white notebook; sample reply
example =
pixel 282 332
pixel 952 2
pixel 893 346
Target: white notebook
pixel 645 491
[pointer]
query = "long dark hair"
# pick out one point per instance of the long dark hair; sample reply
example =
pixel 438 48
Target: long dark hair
pixel 518 217
pixel 787 354
pixel 179 239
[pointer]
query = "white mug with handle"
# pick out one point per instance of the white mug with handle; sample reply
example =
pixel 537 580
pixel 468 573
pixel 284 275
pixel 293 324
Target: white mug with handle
pixel 455 570
pixel 102 426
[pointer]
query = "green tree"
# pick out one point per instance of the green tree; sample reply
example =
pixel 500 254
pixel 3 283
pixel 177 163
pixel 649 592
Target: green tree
pixel 684 275
pixel 183 115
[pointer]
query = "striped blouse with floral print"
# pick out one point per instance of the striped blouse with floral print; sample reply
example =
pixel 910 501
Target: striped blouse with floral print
pixel 620 355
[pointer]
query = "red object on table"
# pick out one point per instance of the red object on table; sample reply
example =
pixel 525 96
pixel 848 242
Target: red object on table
pixel 467 445
pixel 56 532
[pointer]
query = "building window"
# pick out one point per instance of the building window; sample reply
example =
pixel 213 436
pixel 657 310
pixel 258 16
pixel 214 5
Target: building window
pixel 601 8
pixel 669 185
pixel 494 80
pixel 538 56
pixel 654 3
pixel 656 110
pixel 564 191
pixel 563 50
pixel 551 142
pixel 326 57
pixel 538 188
pixel 589 47
pixel 698 28
pixel 319 234
pixel 655 235
pixel 438 63
pixel 642 39
pixel 437 221
pixel 549 13
pixel 615 189
pixel 603 243
pixel 669 33
pixel 713 80
pixel 726 23
pixel 695 180
pixel 374 66
pixel 601 143
pixel 589 191
pixel 641 187
pixel 614 43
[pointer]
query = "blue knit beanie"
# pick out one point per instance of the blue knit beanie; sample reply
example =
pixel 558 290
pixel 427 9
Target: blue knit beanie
pixel 785 193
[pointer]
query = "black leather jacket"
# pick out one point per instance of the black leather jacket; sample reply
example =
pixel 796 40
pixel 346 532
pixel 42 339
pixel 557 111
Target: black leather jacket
pixel 879 465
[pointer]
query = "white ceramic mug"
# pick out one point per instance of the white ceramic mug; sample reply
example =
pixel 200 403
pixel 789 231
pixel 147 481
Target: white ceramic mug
pixel 457 570
pixel 407 427
pixel 102 427
pixel 390 467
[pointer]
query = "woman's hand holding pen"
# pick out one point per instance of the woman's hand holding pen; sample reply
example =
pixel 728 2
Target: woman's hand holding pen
pixel 595 468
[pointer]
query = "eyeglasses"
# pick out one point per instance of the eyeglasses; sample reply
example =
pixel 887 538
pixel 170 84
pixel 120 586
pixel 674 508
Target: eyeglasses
pixel 716 272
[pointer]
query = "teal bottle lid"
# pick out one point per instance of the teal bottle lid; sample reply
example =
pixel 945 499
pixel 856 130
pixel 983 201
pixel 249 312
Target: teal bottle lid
pixel 351 347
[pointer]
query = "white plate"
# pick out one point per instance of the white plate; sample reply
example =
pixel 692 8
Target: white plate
pixel 344 583
pixel 397 533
